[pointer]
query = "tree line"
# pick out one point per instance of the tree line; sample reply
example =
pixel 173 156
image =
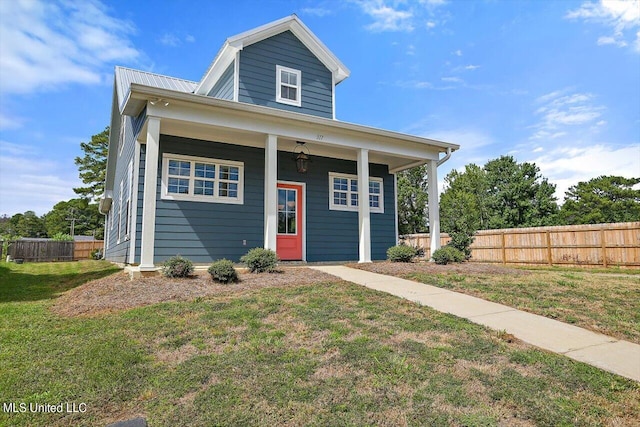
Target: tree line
pixel 78 216
pixel 506 194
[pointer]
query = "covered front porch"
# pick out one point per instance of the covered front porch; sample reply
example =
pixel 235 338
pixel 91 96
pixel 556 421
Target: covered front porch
pixel 356 152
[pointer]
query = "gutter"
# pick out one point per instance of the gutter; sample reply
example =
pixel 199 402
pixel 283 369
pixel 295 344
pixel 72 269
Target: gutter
pixel 446 157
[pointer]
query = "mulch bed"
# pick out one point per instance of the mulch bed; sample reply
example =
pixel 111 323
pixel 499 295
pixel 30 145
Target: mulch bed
pixel 118 292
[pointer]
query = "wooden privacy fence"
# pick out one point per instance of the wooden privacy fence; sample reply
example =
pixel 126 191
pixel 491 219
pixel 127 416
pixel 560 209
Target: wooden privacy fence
pixel 51 250
pixel 83 249
pixel 603 245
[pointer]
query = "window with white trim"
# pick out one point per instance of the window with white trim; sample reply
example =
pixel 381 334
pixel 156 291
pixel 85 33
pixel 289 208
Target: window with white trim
pixel 343 193
pixel 288 86
pixel 202 179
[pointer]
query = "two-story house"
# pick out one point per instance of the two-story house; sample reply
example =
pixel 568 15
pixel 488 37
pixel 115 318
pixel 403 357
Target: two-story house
pixel 253 156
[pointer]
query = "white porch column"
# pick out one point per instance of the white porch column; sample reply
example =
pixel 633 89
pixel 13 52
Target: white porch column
pixel 434 204
pixel 270 191
pixel 147 241
pixel 364 220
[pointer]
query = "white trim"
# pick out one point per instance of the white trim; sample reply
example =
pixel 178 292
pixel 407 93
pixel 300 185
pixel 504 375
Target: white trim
pixel 364 212
pixel 298 86
pixel 434 207
pixel 120 212
pixel 147 243
pixel 121 135
pixel 333 96
pixel 134 204
pixel 236 77
pixel 304 214
pixel 270 192
pixel 215 198
pixel 349 207
pixel 395 206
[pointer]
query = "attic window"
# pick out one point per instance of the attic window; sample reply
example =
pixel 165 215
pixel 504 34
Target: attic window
pixel 288 86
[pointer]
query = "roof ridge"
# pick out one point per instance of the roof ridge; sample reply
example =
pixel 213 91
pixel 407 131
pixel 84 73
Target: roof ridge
pixel 156 74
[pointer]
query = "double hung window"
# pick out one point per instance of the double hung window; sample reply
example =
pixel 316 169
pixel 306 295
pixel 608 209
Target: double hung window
pixel 288 86
pixel 343 193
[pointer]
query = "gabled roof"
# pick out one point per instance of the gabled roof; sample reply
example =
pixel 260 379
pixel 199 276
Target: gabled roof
pixel 126 76
pixel 292 23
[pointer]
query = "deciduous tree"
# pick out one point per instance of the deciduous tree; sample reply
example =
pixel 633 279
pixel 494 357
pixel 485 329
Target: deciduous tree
pixel 412 200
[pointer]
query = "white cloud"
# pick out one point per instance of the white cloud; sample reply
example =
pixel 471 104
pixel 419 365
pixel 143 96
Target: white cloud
pixel 457 52
pixel 31 181
pixel 622 17
pixel 567 165
pixel 452 79
pixel 471 67
pixel 387 18
pixel 316 11
pixel 173 40
pixel 46 44
pixel 400 15
pixel 561 110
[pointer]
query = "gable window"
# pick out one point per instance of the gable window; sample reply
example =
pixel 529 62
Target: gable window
pixel 288 86
pixel 343 193
pixel 201 179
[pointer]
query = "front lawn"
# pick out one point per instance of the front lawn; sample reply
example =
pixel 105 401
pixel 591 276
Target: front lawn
pixel 323 353
pixel 604 301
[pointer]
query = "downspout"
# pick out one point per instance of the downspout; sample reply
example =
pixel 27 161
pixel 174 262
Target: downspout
pixel 446 157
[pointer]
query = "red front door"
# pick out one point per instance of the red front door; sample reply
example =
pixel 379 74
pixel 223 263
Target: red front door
pixel 289 240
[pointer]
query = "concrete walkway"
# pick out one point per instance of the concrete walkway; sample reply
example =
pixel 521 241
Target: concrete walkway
pixel 611 354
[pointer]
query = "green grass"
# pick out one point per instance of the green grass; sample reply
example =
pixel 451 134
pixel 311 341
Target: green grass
pixel 606 303
pixel 324 354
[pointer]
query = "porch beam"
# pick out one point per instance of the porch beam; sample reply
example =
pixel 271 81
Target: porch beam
pixel 270 191
pixel 147 242
pixel 434 205
pixel 364 215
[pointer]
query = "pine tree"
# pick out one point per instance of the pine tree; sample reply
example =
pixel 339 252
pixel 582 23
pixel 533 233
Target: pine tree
pixel 93 165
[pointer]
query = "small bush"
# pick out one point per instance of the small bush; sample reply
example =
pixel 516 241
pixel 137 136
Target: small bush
pixel 222 271
pixel 96 254
pixel 260 260
pixel 448 254
pixel 177 267
pixel 401 253
pixel 62 237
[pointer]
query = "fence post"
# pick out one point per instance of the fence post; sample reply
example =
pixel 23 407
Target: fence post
pixel 549 257
pixel 504 250
pixel 604 248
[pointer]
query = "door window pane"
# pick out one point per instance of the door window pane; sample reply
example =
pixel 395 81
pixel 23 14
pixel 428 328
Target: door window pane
pixel 287 204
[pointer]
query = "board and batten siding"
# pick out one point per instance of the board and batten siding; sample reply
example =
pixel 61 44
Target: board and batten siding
pixel 257 81
pixel 118 245
pixel 223 88
pixel 332 235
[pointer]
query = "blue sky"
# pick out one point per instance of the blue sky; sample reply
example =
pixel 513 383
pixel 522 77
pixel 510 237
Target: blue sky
pixel 551 82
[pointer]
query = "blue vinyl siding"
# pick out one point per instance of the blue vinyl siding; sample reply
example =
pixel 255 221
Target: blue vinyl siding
pixel 204 232
pixel 224 87
pixel 118 245
pixel 333 235
pixel 257 82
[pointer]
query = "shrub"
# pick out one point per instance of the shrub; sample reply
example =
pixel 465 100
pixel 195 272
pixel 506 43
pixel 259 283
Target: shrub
pixel 222 271
pixel 448 254
pixel 260 260
pixel 96 254
pixel 401 253
pixel 177 267
pixel 62 237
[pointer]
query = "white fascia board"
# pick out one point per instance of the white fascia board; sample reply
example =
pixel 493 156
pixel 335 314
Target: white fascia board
pixel 112 150
pixel 291 23
pixel 254 118
pixel 218 66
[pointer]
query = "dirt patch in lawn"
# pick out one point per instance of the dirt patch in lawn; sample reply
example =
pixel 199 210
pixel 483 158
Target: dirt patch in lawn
pixel 118 292
pixel 405 268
